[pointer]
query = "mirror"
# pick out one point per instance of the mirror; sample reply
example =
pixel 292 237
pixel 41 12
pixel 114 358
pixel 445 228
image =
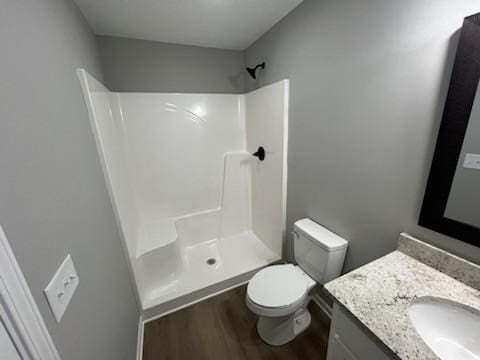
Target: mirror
pixel 452 198
pixel 464 199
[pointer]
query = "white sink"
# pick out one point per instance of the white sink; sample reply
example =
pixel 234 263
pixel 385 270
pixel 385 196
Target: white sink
pixel 450 329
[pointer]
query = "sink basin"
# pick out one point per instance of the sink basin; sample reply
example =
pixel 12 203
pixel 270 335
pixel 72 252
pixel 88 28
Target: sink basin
pixel 450 329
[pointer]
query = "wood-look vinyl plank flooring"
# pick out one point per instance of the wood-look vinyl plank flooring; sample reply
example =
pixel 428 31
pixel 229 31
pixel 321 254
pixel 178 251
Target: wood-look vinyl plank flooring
pixel 223 328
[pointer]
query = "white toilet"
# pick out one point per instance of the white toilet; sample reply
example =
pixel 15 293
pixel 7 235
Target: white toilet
pixel 279 294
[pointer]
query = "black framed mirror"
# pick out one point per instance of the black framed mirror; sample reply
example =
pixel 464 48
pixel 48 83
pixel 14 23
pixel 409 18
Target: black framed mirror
pixel 451 204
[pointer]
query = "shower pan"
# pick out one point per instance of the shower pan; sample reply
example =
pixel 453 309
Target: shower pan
pixel 197 212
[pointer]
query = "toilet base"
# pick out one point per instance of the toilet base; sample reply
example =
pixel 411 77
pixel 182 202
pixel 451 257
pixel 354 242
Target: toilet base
pixel 278 331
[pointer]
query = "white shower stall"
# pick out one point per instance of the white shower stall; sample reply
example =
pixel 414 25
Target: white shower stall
pixel 196 211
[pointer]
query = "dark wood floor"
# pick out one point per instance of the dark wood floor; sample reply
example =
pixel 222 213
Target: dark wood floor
pixel 222 328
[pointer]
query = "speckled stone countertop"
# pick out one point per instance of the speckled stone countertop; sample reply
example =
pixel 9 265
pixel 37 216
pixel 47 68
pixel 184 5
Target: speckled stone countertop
pixel 378 294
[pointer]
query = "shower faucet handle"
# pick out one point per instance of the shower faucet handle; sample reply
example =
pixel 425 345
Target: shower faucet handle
pixel 260 153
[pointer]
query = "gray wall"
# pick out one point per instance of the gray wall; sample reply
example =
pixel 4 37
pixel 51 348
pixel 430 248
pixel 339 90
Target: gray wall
pixel 148 66
pixel 53 198
pixel 464 199
pixel 368 84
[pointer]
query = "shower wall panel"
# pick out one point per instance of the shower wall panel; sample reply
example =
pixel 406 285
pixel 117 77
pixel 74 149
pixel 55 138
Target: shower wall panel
pixel 109 134
pixel 178 148
pixel 177 144
pixel 267 126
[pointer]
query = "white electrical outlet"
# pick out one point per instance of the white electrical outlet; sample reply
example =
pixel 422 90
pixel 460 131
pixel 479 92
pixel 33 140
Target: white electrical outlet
pixel 61 287
pixel 472 161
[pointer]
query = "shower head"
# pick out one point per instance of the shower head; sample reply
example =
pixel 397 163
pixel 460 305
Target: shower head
pixel 252 71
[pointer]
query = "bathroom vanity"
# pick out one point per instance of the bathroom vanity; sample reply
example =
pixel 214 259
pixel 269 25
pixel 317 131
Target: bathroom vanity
pixel 401 305
pixel 349 341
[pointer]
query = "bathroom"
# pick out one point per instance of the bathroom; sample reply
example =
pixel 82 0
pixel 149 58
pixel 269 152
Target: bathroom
pixel 239 179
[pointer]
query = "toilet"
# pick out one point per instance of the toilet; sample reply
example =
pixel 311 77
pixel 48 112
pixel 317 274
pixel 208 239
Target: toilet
pixel 279 294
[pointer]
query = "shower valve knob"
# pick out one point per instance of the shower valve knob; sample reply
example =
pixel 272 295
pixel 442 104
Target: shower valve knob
pixel 260 153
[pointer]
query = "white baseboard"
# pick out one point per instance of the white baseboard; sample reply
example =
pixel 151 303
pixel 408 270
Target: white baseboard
pixel 141 326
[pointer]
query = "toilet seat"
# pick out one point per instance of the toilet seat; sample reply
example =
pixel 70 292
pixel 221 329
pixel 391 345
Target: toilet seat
pixel 279 287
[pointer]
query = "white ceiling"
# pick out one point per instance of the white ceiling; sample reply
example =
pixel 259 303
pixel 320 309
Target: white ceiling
pixel 227 24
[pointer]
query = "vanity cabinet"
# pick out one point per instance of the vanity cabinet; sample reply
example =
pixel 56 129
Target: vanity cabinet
pixel 348 341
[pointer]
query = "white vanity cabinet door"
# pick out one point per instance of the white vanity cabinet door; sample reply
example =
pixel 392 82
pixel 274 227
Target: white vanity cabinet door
pixel 347 341
pixel 338 351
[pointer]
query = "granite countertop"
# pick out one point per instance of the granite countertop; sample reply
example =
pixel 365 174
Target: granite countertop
pixel 378 294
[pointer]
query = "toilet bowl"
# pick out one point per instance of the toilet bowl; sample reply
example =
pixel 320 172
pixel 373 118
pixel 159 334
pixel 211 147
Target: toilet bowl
pixel 280 294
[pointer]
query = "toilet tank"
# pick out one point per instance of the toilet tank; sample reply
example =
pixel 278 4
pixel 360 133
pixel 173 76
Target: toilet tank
pixel 318 251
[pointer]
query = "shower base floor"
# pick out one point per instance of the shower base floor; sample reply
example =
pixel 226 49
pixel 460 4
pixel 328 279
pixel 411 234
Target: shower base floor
pixel 212 262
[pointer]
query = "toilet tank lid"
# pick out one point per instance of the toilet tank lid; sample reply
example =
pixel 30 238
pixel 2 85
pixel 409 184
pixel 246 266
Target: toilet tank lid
pixel 320 235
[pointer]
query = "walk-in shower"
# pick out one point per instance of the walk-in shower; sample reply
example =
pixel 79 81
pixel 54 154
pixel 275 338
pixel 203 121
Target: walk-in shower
pixel 196 210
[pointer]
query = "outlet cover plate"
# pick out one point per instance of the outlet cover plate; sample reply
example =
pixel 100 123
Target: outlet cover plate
pixel 472 161
pixel 61 288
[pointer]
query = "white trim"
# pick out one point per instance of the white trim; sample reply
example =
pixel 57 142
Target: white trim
pixel 140 338
pixel 286 114
pixel 19 311
pixel 11 331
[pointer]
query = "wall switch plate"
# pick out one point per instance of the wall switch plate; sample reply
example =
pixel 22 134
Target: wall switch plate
pixel 61 288
pixel 472 161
